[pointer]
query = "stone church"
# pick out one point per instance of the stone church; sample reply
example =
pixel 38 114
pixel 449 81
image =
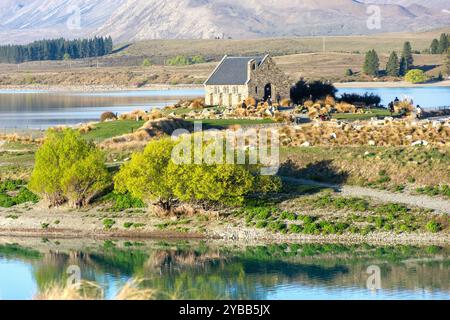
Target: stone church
pixel 237 78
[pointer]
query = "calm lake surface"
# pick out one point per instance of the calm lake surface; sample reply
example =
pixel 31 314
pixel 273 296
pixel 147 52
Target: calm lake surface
pixel 427 97
pixel 40 110
pixel 194 270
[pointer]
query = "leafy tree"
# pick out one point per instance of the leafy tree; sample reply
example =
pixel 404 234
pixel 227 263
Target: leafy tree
pixel 434 47
pixel 198 59
pixel 314 90
pixel 145 176
pixel 154 177
pixel 146 63
pixel 66 56
pixel 408 60
pixel 443 44
pixel 416 76
pixel 68 168
pixel 371 63
pixel 403 67
pixel 393 65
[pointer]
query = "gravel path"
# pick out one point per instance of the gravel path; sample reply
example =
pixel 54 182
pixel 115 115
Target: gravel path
pixel 437 204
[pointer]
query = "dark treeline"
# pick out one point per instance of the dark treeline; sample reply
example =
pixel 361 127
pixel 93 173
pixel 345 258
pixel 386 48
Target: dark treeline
pixel 56 49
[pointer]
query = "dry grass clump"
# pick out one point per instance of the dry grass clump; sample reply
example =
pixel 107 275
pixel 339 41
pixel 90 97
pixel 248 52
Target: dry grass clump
pixel 85 128
pixel 14 137
pixel 251 102
pixel 108 116
pixel 285 102
pixel 133 115
pixel 197 104
pixel 378 133
pixel 344 107
pixel 326 106
pixel 142 115
pixel 404 106
pixel 150 130
pixel 92 291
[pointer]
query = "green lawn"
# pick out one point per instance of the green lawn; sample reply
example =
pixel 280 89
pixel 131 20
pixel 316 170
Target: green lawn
pixel 106 130
pixel 363 116
pixel 230 122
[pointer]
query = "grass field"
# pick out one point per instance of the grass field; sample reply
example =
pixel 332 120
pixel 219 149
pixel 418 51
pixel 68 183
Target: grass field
pixel 230 122
pixel 363 116
pixel 106 130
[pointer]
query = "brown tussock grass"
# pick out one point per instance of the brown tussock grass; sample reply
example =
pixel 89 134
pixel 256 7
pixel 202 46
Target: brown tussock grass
pixel 91 291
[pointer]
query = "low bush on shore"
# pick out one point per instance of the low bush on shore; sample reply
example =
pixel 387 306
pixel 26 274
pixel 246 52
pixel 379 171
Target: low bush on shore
pixel 360 217
pixel 14 192
pixel 153 176
pixel 69 169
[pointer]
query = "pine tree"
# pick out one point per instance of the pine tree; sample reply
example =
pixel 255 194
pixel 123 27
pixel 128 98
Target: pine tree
pixel 447 63
pixel 434 47
pixel 371 63
pixel 393 65
pixel 403 67
pixel 443 44
pixel 407 55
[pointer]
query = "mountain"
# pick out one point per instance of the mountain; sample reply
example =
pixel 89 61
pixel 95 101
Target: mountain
pixel 22 21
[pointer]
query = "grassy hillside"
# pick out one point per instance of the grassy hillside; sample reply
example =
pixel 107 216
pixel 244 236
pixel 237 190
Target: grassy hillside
pixel 298 57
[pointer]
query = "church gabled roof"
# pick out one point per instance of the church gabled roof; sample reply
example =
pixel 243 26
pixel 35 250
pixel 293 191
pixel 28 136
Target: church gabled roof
pixel 232 71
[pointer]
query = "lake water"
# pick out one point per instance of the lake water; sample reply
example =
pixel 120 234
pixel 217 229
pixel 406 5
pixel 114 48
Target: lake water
pixel 40 110
pixel 427 97
pixel 194 270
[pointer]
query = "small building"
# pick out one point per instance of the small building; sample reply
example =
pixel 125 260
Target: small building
pixel 237 78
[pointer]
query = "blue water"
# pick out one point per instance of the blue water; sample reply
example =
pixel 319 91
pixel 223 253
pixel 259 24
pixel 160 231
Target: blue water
pixel 195 270
pixel 33 109
pixel 427 97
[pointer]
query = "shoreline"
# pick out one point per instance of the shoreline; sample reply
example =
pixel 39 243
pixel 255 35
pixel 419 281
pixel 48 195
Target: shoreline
pixel 89 225
pixel 231 237
pixel 97 88
pixel 390 84
pixel 167 87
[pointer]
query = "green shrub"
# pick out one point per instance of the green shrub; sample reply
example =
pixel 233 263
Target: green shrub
pixel 146 63
pixel 128 225
pixel 277 226
pixel 327 227
pixel 379 222
pixel 23 196
pixel 311 228
pixel 69 168
pixel 367 229
pixel 267 184
pixel 416 76
pixel 295 228
pixel 6 201
pixel 124 201
pixel 153 176
pixel 341 227
pixel 288 216
pixel 261 224
pixel 391 210
pixel 11 185
pixel 108 223
pixel 433 226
